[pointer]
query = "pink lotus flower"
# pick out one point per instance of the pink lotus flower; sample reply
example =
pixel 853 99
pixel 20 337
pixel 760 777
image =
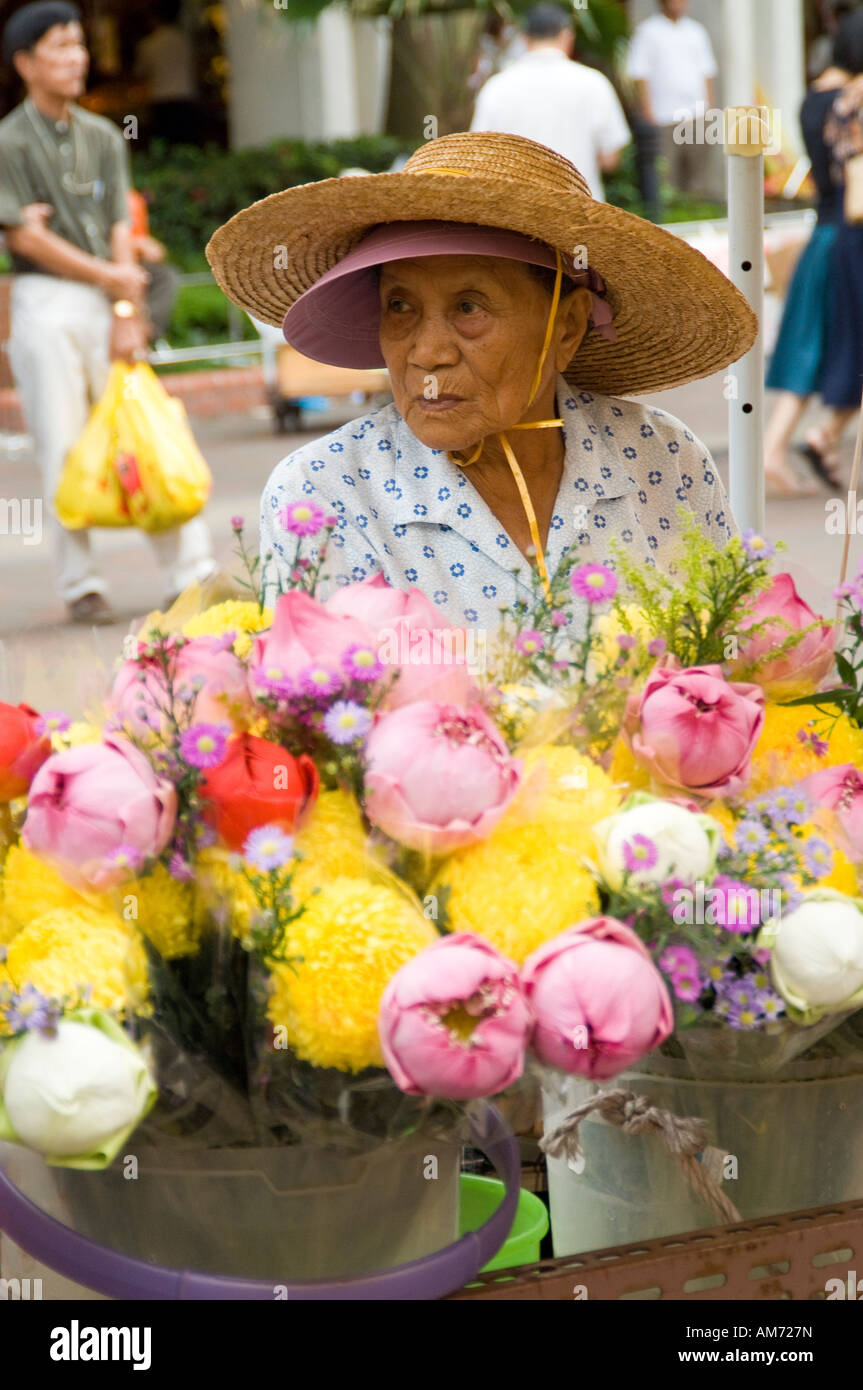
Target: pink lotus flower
pixel 695 730
pixel 599 1003
pixel 438 776
pixel 840 789
pixel 412 636
pixel 803 668
pixel 87 803
pixel 204 664
pixel 306 634
pixel 453 1021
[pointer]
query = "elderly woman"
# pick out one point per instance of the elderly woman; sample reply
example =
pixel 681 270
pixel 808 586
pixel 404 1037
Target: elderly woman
pixel 512 312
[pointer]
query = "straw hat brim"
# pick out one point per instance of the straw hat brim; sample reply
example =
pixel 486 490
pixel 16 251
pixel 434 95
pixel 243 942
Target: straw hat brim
pixel 677 317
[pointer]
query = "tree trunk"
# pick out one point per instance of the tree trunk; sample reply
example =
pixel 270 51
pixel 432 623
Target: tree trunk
pixel 432 58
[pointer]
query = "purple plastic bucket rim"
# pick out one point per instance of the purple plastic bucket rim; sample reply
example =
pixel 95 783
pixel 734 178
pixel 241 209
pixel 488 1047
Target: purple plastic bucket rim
pixel 119 1276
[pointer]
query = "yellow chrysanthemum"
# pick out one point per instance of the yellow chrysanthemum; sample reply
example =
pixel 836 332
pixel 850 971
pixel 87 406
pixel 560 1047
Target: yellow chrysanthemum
pixel 238 615
pixel 31 888
pixel 625 771
pixel 164 912
pixel 67 950
pixel 78 732
pixel 353 937
pixel 332 843
pixel 780 759
pixel 520 887
pixel 561 784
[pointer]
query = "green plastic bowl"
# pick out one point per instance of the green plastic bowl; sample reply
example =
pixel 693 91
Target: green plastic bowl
pixel 480 1198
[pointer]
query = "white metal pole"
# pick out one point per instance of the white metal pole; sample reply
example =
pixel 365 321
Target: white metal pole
pixel 747 133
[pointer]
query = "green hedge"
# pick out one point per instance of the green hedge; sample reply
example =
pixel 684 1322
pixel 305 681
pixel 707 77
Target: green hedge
pixel 191 192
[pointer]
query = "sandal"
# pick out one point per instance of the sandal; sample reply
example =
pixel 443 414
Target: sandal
pixel 820 463
pixel 779 485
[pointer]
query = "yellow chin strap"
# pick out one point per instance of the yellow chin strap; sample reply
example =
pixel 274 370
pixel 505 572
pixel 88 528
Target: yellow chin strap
pixel 517 474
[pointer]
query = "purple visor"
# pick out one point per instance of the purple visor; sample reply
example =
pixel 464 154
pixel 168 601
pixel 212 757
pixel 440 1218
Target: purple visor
pixel 337 320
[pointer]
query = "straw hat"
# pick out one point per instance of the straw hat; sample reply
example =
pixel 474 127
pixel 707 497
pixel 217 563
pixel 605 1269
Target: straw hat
pixel 676 316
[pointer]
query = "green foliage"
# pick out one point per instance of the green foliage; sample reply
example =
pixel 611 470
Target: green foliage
pixel 191 191
pixel 698 607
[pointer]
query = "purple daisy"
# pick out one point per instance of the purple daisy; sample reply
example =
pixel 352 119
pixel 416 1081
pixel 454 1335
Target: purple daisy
pixel 639 853
pixel 817 856
pixel 771 1004
pixel 686 987
pixel 346 721
pixel 362 663
pixel 268 848
pixel 53 721
pixel 124 857
pixel 204 745
pixel 273 680
pixel 750 835
pixel 33 1012
pixel 656 646
pixel 319 680
pixel 529 643
pixel 302 518
pixel 180 868
pixel 738 906
pixel 757 547
pixel 678 960
pixel 745 1018
pixel 594 583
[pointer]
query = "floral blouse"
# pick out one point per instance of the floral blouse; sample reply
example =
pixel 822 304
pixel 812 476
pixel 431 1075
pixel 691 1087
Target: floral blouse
pixel 407 512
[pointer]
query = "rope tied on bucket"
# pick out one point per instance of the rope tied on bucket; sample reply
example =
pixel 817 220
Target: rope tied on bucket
pixel 683 1139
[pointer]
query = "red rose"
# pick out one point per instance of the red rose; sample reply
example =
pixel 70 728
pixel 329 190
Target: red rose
pixel 22 749
pixel 257 783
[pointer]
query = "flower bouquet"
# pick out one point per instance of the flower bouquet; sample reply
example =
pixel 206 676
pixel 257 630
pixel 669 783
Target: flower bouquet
pixel 313 882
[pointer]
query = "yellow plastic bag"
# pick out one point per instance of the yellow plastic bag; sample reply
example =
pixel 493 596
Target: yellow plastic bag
pixel 151 475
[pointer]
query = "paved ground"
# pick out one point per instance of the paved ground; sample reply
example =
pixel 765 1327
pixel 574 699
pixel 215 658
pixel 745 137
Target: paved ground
pixel 52 664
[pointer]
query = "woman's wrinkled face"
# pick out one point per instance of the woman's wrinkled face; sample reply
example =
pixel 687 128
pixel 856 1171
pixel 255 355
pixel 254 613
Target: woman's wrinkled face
pixel 461 336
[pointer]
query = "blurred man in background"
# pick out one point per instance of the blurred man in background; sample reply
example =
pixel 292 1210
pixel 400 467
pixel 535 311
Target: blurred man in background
pixel 565 105
pixel 79 294
pixel 672 64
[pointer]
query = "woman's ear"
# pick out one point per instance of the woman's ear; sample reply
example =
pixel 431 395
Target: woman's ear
pixel 573 317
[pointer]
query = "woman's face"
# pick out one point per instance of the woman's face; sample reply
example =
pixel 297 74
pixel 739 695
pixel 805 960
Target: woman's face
pixel 461 336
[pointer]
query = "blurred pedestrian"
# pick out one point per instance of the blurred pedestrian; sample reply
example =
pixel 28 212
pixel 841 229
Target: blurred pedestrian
pixel 165 60
pixel 671 61
pixel 78 296
pixel 500 44
pixel 799 355
pixel 842 378
pixel 565 105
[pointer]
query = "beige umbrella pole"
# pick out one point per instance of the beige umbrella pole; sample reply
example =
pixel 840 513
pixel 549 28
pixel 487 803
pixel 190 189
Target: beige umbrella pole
pixel 851 502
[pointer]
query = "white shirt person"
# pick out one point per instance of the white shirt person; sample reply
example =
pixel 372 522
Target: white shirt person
pixel 672 61
pixel 567 106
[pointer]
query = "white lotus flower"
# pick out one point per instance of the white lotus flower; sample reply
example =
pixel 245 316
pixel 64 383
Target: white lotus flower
pixel 817 953
pixel 685 842
pixel 67 1095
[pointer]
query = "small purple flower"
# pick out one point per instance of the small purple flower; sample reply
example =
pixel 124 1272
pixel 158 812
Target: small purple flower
pixel 226 641
pixel 771 1004
pixel 761 955
pixel 817 856
pixel 818 745
pixel 656 646
pixel 639 853
pixel 346 721
pixel 738 906
pixel 124 857
pixel 744 1018
pixel 205 835
pixel 268 848
pixel 750 835
pixel 678 960
pixel 686 987
pixel 204 745
pixel 362 663
pixel 237 523
pixel 757 547
pixel 625 641
pixel 33 1012
pixel 302 518
pixel 559 618
pixel 272 680
pixel 594 583
pixel 180 868
pixel 790 804
pixel 529 643
pixel 319 680
pixel 668 890
pixel 53 721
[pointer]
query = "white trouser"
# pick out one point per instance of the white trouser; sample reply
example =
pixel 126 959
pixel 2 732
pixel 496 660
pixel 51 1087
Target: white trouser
pixel 58 350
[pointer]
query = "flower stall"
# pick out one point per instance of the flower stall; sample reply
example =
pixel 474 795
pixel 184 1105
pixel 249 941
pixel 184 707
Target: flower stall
pixel 318 880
